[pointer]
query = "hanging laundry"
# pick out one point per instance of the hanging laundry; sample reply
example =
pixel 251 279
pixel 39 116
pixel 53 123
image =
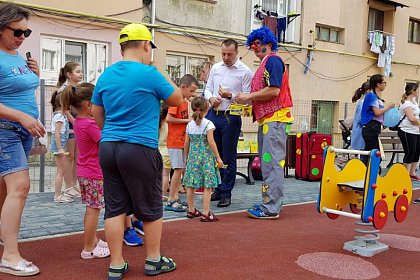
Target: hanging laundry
pixel 271 23
pixel 259 15
pixel 381 60
pixel 309 58
pixel 391 44
pixel 281 28
pixel 376 39
pixel 385 47
pixel 388 62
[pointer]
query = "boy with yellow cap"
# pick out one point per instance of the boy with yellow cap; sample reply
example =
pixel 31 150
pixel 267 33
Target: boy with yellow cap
pixel 126 105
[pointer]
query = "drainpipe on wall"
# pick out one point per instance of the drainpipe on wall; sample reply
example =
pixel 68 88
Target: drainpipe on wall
pixel 153 19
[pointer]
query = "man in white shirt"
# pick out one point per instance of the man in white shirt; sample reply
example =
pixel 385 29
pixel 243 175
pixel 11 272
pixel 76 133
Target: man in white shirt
pixel 227 78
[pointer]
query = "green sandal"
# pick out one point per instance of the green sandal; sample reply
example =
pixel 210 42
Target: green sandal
pixel 117 273
pixel 163 265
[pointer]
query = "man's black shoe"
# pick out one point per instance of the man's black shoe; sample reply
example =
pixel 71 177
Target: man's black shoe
pixel 215 196
pixel 224 202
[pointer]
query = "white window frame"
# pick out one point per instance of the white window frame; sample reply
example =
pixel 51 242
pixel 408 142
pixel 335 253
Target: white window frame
pixel 412 30
pixel 51 75
pixel 186 69
pixel 338 30
pixel 292 29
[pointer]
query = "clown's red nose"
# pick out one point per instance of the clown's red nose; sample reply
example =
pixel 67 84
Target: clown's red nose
pixel 254 47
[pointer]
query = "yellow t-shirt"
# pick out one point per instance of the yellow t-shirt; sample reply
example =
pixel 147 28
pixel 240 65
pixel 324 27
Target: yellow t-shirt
pixel 283 115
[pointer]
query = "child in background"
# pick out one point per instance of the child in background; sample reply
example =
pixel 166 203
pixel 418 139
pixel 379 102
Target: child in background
pixel 202 160
pixel 163 139
pixel 71 74
pixel 89 173
pixel 60 134
pixel 177 120
pixel 357 142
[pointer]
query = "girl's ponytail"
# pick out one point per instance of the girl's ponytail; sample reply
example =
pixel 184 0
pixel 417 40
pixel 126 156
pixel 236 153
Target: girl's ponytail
pixel 199 105
pixel 55 100
pixel 198 116
pixel 409 89
pixel 67 98
pixel 61 77
pixel 360 92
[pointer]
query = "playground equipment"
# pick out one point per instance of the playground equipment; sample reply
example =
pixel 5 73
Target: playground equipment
pixel 369 196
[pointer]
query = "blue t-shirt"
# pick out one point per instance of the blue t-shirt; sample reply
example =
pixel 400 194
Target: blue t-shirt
pixel 371 100
pixel 18 84
pixel 130 93
pixel 273 74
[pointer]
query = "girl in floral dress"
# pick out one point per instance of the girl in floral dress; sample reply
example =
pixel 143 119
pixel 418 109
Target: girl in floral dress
pixel 203 160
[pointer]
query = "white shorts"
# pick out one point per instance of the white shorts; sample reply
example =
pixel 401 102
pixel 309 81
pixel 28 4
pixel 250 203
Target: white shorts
pixel 177 158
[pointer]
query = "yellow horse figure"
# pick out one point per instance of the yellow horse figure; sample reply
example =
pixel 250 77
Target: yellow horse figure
pixel 370 196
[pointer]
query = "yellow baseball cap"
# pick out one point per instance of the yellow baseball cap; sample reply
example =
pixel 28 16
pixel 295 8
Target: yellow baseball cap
pixel 135 32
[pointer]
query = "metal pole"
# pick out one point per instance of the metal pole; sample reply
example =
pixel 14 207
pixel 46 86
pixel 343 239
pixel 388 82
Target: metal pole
pixel 153 19
pixel 42 120
pixel 341 213
pixel 346 108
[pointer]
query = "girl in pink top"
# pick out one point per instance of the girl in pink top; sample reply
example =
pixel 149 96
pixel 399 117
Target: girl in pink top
pixel 89 173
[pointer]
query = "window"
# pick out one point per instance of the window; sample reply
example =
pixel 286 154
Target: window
pixel 376 20
pixel 414 31
pixel 179 65
pixel 278 6
pixel 55 52
pixel 328 34
pixel 322 116
pixel 283 8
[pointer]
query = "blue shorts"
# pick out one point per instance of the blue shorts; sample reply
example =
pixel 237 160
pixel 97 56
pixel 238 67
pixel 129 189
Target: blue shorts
pixel 63 141
pixel 15 145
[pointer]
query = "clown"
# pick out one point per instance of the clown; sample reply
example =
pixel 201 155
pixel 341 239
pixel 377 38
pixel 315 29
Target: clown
pixel 271 102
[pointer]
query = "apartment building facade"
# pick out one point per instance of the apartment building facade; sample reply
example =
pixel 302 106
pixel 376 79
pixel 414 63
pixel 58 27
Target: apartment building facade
pixel 325 43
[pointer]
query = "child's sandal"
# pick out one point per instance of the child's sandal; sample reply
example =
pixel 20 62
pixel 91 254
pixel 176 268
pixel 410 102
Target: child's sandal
pixel 62 199
pixel 194 214
pixel 98 252
pixel 208 218
pixel 72 191
pixel 178 208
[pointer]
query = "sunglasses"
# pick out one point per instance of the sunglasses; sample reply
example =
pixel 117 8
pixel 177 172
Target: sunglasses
pixel 19 32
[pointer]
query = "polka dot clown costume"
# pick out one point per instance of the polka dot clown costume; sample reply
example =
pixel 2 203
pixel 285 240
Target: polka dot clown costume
pixel 272 115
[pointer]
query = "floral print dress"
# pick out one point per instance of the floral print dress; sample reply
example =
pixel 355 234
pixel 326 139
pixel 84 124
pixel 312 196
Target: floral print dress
pixel 201 168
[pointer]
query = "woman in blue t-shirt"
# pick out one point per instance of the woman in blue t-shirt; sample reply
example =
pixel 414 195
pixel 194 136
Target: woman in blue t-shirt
pixel 18 124
pixel 372 116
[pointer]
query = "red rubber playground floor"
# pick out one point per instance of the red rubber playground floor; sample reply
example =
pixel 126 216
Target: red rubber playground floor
pixel 302 244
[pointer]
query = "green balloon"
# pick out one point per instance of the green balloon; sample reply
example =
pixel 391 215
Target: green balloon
pixel 267 157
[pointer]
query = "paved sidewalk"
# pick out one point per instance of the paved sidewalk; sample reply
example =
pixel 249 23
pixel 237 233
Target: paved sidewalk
pixel 43 217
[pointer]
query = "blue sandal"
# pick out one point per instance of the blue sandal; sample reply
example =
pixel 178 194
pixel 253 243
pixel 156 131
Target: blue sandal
pixel 179 208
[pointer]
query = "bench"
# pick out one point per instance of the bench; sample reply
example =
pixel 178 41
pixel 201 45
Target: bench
pixel 391 144
pixel 290 160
